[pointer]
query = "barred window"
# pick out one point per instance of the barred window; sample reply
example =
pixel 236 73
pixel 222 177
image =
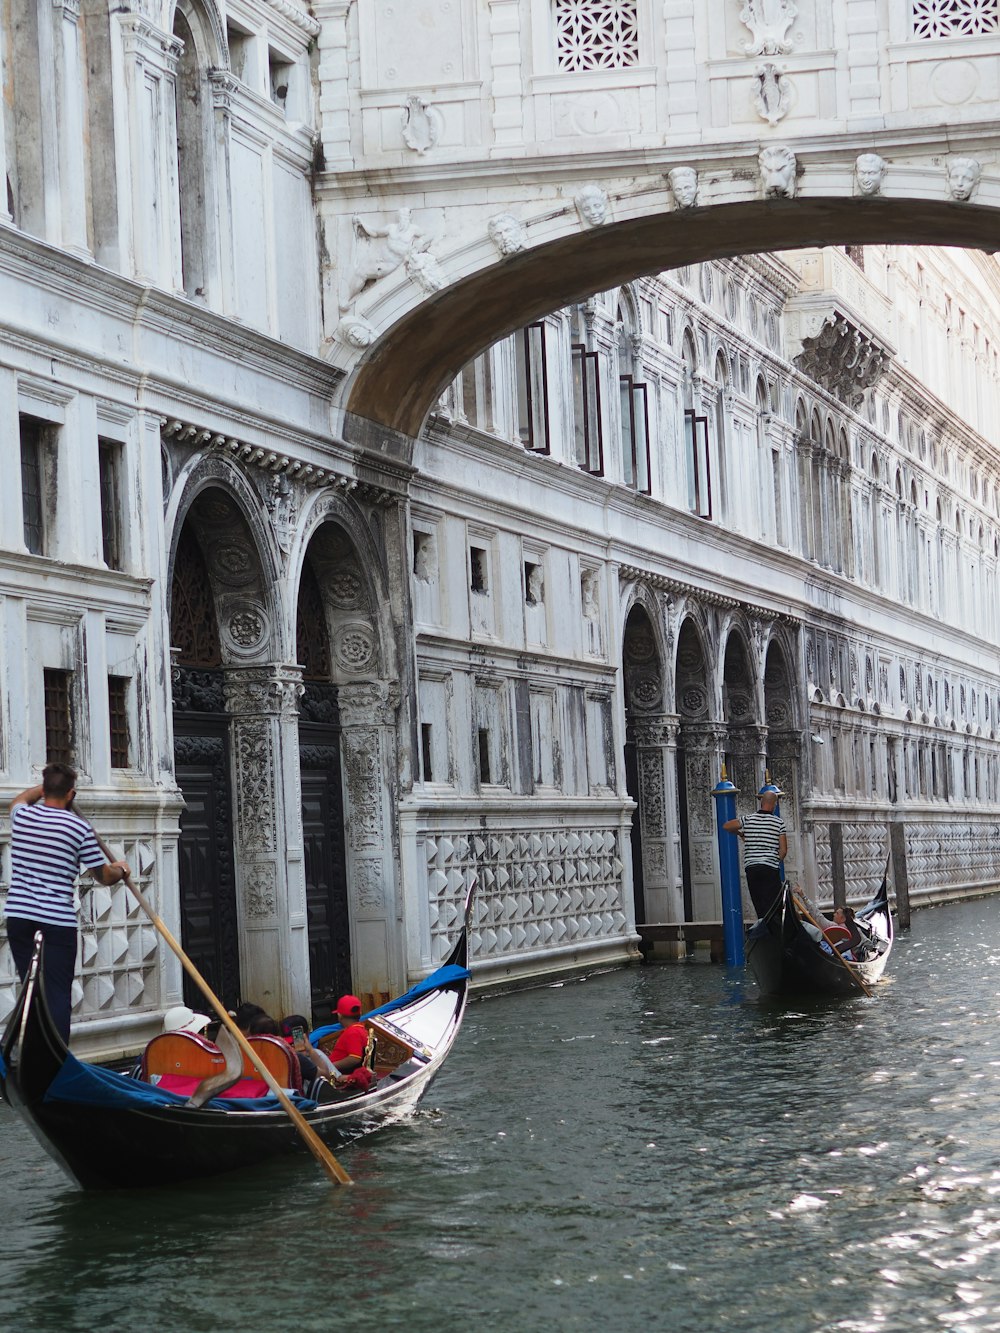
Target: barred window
pixel 596 34
pixel 955 18
pixel 32 484
pixel 118 720
pixel 58 692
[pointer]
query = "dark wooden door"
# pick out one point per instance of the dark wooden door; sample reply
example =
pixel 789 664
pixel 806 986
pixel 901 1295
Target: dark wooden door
pixel 209 930
pixel 326 877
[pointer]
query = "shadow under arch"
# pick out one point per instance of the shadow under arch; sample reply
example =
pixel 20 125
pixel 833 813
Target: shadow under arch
pixel 405 371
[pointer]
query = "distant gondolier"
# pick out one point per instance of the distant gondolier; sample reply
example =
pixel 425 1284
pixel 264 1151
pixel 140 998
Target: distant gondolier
pixel 765 846
pixel 49 846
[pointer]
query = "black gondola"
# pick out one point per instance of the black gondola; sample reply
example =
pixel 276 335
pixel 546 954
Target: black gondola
pixel 786 958
pixel 112 1131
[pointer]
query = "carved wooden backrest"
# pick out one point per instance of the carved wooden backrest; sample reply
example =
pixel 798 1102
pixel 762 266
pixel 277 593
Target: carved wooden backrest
pixel 185 1053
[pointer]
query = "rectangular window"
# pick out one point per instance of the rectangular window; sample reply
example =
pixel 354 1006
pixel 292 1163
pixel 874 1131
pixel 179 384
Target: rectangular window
pixel 109 456
pixel 426 751
pixel 479 578
pixel 279 78
pixel 58 694
pixel 588 438
pixel 118 721
pixel 699 479
pixel 31 432
pixel 635 434
pixel 532 376
pixel 532 584
pixel 485 768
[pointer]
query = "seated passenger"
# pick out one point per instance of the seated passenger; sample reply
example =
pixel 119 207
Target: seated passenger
pixel 263 1025
pixel 292 1028
pixel 349 1062
pixel 245 1014
pixel 182 1019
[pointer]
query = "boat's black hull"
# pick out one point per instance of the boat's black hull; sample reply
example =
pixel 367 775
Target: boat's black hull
pixel 139 1146
pixel 784 959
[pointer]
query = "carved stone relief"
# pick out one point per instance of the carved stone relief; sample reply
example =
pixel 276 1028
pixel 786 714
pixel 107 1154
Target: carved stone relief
pixel 768 21
pixel 652 811
pixel 362 756
pixel 772 93
pixel 869 173
pixel 368 888
pixel 259 891
pixel 507 233
pixel 255 785
pixel 684 186
pixel 778 166
pixel 422 124
pixel 963 175
pixel 380 250
pixel 592 206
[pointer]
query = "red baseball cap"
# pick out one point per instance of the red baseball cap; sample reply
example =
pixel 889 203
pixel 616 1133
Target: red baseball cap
pixel 349 1006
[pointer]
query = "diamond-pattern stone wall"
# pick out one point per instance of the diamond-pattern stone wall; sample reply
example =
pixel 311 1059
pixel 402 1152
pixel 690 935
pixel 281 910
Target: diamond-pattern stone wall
pixel 118 969
pixel 535 890
pixel 955 853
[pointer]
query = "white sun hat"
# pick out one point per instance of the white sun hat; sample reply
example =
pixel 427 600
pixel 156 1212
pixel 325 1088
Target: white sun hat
pixel 182 1019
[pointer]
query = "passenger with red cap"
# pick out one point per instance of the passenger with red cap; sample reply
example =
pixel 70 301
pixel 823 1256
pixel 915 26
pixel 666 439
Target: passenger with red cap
pixel 348 1063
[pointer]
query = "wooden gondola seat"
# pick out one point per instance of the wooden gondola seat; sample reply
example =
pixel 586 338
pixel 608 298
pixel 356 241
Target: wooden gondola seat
pixel 280 1059
pixel 179 1061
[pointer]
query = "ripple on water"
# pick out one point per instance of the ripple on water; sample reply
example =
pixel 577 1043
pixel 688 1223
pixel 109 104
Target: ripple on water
pixel 657 1147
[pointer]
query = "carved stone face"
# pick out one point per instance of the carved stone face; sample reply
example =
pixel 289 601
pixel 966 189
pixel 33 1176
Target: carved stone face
pixel 356 332
pixel 507 234
pixel 869 171
pixel 684 184
pixel 963 177
pixel 777 170
pixel 592 205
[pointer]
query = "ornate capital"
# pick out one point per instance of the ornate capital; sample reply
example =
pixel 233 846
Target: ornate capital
pixel 369 703
pixel 260 690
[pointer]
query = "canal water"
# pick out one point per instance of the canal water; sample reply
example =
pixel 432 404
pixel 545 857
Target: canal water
pixel 654 1147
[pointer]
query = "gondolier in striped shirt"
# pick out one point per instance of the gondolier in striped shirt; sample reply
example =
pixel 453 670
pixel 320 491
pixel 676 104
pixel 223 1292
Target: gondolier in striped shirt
pixel 765 846
pixel 49 846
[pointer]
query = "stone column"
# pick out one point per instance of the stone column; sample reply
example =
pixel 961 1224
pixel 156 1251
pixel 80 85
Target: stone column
pixel 368 754
pixel 703 746
pixel 72 137
pixel 267 832
pixel 221 282
pixel 656 762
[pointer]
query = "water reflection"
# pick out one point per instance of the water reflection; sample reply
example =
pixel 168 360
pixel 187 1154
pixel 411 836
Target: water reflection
pixel 655 1146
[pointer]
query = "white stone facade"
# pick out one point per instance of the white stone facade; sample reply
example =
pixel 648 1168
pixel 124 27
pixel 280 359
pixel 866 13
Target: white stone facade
pixel 319 674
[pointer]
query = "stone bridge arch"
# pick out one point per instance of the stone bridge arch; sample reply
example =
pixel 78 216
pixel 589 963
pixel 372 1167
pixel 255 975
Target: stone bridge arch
pixel 400 344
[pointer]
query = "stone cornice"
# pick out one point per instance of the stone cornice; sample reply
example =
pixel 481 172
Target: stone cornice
pixel 708 597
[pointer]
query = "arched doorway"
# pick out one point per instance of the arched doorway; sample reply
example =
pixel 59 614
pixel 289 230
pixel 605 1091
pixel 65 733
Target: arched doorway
pixel 746 738
pixel 650 734
pixel 327 908
pixel 699 747
pixel 206 860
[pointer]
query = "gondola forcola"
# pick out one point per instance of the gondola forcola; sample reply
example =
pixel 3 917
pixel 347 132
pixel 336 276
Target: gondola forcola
pixel 112 1131
pixel 786 958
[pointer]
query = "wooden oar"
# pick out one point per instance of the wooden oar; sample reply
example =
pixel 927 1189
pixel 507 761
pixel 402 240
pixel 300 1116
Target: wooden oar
pixel 312 1140
pixel 800 904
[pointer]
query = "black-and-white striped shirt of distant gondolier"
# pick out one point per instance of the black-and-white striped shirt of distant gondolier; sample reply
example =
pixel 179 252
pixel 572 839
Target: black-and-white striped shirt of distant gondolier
pixel 49 846
pixel 761 838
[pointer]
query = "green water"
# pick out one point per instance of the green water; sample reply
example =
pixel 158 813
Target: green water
pixel 648 1148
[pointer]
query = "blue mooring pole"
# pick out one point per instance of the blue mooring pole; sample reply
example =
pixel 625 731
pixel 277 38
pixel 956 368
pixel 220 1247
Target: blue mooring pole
pixel 729 865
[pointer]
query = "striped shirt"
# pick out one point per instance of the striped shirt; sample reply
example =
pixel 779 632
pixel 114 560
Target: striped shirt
pixel 761 834
pixel 49 846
